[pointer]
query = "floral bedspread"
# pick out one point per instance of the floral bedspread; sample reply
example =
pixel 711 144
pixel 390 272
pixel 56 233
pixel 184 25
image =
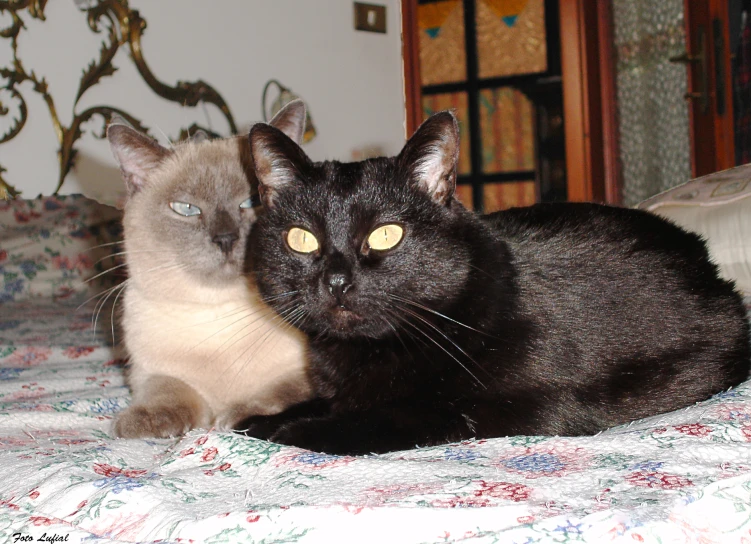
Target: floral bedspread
pixel 679 477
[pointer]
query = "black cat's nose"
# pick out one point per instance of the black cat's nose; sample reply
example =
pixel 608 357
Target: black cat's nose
pixel 225 240
pixel 338 283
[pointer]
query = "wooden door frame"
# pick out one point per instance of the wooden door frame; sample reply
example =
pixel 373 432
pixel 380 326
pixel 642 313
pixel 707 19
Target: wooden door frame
pixel 592 171
pixel 712 134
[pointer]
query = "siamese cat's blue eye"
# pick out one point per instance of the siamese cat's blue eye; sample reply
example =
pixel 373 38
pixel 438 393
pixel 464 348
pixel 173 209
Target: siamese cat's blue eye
pixel 185 209
pixel 245 204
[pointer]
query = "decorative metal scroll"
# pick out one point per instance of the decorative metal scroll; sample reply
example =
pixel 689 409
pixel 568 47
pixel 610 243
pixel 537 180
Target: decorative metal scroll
pixel 122 26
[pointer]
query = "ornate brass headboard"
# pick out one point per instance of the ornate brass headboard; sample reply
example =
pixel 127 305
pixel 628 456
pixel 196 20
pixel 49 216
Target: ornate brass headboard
pixel 123 26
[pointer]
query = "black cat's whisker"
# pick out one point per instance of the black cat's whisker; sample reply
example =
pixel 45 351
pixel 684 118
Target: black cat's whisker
pixel 426 335
pixel 396 333
pixel 443 334
pixel 263 312
pixel 231 313
pixel 260 339
pixel 266 312
pixel 439 314
pixel 439 331
pixel 488 274
pixel 269 300
pixel 419 342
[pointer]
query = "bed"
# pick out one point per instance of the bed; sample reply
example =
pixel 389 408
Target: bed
pixel 678 477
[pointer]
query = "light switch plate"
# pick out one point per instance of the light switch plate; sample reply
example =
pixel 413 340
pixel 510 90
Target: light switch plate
pixel 370 17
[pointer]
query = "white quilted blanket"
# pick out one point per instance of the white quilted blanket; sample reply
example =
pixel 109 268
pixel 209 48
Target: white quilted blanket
pixel 680 477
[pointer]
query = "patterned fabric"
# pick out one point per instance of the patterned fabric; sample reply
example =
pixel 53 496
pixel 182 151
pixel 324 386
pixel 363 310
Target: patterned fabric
pixel 48 246
pixel 684 476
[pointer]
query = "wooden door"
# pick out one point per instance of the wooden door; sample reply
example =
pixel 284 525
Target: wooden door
pixel 710 85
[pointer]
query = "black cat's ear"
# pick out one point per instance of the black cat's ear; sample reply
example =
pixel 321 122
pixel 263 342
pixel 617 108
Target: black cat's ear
pixel 431 155
pixel 278 161
pixel 137 154
pixel 291 120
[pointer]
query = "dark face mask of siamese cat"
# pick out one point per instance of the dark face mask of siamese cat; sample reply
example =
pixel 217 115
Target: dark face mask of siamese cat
pixel 194 201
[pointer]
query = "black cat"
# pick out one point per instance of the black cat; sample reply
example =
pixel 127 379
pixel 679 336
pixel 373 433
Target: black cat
pixel 429 324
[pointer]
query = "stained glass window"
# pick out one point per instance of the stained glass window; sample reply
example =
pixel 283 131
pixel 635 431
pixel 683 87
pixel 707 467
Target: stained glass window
pixel 507 128
pixel 489 62
pixel 501 196
pixel 442 54
pixel 510 37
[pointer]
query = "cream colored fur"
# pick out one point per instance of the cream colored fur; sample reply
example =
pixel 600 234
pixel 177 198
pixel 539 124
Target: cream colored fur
pixel 203 352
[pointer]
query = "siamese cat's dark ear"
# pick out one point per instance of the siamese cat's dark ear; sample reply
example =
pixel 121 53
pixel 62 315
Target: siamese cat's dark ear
pixel 278 161
pixel 291 120
pixel 136 153
pixel 430 156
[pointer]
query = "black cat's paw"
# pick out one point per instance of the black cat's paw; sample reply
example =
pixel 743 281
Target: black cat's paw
pixel 264 427
pixel 259 427
pixel 314 434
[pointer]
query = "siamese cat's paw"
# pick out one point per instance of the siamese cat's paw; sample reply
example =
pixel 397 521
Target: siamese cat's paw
pixel 154 421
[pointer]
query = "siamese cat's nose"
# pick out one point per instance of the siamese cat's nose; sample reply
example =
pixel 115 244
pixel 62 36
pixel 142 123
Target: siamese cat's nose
pixel 225 241
pixel 338 283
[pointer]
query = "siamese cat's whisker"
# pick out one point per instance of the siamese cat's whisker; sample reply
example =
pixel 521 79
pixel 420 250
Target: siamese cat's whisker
pixel 112 269
pixel 112 314
pixel 101 294
pixel 444 335
pixel 439 314
pixel 100 305
pixel 102 245
pixel 119 253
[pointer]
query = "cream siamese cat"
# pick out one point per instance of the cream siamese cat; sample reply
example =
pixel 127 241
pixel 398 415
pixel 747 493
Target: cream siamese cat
pixel 205 349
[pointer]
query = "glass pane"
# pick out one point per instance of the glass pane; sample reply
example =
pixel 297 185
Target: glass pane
pixel 507 127
pixel 432 103
pixel 653 115
pixel 442 51
pixel 500 196
pixel 464 194
pixel 510 37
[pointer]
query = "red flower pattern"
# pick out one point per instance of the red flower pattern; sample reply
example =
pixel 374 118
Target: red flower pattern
pixel 693 429
pixel 658 480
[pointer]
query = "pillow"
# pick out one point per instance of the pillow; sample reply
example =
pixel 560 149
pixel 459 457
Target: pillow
pixel 717 206
pixel 50 245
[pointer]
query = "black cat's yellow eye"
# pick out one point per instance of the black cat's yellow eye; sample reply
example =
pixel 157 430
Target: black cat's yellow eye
pixel 185 209
pixel 246 204
pixel 301 240
pixel 385 237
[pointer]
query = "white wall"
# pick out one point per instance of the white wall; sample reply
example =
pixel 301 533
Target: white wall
pixel 351 80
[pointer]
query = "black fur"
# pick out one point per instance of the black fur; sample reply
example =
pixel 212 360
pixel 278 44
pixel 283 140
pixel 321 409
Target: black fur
pixel 559 319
